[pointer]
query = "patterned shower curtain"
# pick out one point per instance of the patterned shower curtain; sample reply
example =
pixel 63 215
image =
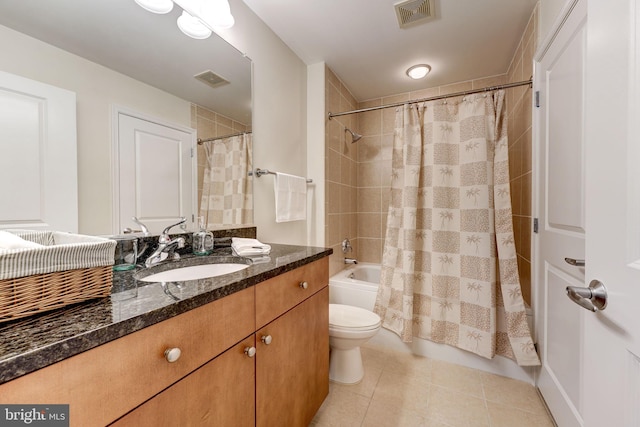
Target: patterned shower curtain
pixel 227 196
pixel 449 268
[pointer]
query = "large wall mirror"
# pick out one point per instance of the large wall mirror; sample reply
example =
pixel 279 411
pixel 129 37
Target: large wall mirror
pixel 151 50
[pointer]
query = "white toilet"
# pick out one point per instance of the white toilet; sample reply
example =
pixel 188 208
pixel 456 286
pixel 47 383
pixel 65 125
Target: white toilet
pixel 349 328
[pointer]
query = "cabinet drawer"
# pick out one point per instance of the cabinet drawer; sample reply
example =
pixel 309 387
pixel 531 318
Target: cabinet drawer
pixel 281 293
pixel 221 393
pixel 105 382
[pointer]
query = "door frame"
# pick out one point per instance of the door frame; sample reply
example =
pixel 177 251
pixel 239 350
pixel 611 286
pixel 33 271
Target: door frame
pixel 537 292
pixel 116 111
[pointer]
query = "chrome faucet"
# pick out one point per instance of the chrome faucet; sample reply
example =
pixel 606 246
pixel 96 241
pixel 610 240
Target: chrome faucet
pixel 166 245
pixel 346 248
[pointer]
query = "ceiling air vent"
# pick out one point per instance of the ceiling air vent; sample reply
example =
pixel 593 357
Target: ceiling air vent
pixel 412 12
pixel 211 78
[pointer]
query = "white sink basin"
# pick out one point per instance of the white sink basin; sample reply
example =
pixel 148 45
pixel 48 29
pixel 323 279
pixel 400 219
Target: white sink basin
pixel 194 272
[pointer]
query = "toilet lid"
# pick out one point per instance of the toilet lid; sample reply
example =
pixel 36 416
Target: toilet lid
pixel 347 316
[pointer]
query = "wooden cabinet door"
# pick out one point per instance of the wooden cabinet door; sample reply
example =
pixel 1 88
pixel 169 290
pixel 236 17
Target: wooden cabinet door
pixel 220 393
pixel 292 372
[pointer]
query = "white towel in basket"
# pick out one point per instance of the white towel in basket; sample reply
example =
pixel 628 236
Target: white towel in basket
pixel 291 197
pixel 11 241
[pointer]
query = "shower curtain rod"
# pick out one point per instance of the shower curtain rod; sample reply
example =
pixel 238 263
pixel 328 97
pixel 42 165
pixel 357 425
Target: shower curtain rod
pixel 202 141
pixel 435 98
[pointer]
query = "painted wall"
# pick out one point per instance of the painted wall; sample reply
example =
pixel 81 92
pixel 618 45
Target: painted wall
pixel 279 118
pixel 96 88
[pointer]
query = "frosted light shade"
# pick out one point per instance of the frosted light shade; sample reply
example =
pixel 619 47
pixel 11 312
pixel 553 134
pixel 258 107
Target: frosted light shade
pixel 418 71
pixel 217 13
pixel 193 27
pixel 156 6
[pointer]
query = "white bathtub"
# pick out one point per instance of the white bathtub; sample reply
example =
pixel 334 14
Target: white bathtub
pixel 358 285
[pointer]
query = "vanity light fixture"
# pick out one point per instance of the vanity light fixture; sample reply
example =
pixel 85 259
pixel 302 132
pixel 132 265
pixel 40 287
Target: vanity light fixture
pixel 156 6
pixel 193 27
pixel 199 17
pixel 418 71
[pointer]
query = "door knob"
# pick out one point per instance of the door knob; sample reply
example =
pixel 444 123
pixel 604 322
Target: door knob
pixel 593 298
pixel 250 351
pixel 575 262
pixel 266 339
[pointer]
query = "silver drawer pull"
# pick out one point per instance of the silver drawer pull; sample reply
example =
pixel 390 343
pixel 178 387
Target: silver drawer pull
pixel 250 351
pixel 575 262
pixel 304 285
pixel 266 339
pixel 172 354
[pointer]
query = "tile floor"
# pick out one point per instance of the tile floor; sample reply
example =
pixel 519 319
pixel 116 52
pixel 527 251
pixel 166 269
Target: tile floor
pixel 400 390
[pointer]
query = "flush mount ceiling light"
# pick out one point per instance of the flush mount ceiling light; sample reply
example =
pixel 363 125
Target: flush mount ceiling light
pixel 193 27
pixel 156 6
pixel 418 71
pixel 199 17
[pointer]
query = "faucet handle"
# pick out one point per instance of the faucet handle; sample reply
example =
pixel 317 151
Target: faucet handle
pixel 143 227
pixel 182 221
pixel 346 246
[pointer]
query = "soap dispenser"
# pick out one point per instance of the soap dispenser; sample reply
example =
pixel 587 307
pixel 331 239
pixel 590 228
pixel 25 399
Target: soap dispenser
pixel 202 239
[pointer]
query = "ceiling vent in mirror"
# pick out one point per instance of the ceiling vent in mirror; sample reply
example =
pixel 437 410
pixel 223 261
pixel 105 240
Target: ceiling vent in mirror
pixel 211 78
pixel 412 12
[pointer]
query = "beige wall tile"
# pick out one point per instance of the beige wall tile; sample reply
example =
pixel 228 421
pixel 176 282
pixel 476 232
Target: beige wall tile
pixel 369 199
pixel 369 225
pixel 369 148
pixel 424 93
pixel 488 81
pixel 371 123
pixel 524 270
pixel 526 195
pixel 332 166
pixel 370 250
pixel 456 87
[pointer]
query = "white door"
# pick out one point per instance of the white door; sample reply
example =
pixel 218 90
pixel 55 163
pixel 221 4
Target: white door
pixel 560 208
pixel 38 157
pixel 155 174
pixel 611 356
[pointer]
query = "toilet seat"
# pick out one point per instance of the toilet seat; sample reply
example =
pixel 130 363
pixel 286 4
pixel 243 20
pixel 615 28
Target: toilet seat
pixel 349 318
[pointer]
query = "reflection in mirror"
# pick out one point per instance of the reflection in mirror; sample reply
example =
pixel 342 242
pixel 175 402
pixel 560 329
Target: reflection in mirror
pixel 227 196
pixel 120 35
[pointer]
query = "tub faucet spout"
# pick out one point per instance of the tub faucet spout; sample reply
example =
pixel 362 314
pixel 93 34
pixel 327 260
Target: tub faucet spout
pixel 350 261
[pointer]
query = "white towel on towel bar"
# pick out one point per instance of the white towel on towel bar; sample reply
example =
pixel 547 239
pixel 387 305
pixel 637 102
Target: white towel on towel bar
pixel 291 197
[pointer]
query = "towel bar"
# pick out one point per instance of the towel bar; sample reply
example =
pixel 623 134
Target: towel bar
pixel 259 172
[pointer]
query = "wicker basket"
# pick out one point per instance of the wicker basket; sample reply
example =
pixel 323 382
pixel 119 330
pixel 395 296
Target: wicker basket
pixel 67 269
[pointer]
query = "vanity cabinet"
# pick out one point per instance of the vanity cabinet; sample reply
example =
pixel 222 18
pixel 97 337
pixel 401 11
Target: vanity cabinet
pixel 104 383
pixel 220 393
pixel 292 342
pixel 292 371
pixel 284 321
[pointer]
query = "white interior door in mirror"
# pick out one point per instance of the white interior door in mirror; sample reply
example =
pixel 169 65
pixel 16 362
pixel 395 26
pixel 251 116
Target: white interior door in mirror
pixel 38 158
pixel 155 173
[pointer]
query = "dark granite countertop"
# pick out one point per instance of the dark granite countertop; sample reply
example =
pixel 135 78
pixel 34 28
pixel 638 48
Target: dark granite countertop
pixel 35 342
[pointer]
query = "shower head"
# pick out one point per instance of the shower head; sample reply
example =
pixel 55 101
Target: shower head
pixel 354 135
